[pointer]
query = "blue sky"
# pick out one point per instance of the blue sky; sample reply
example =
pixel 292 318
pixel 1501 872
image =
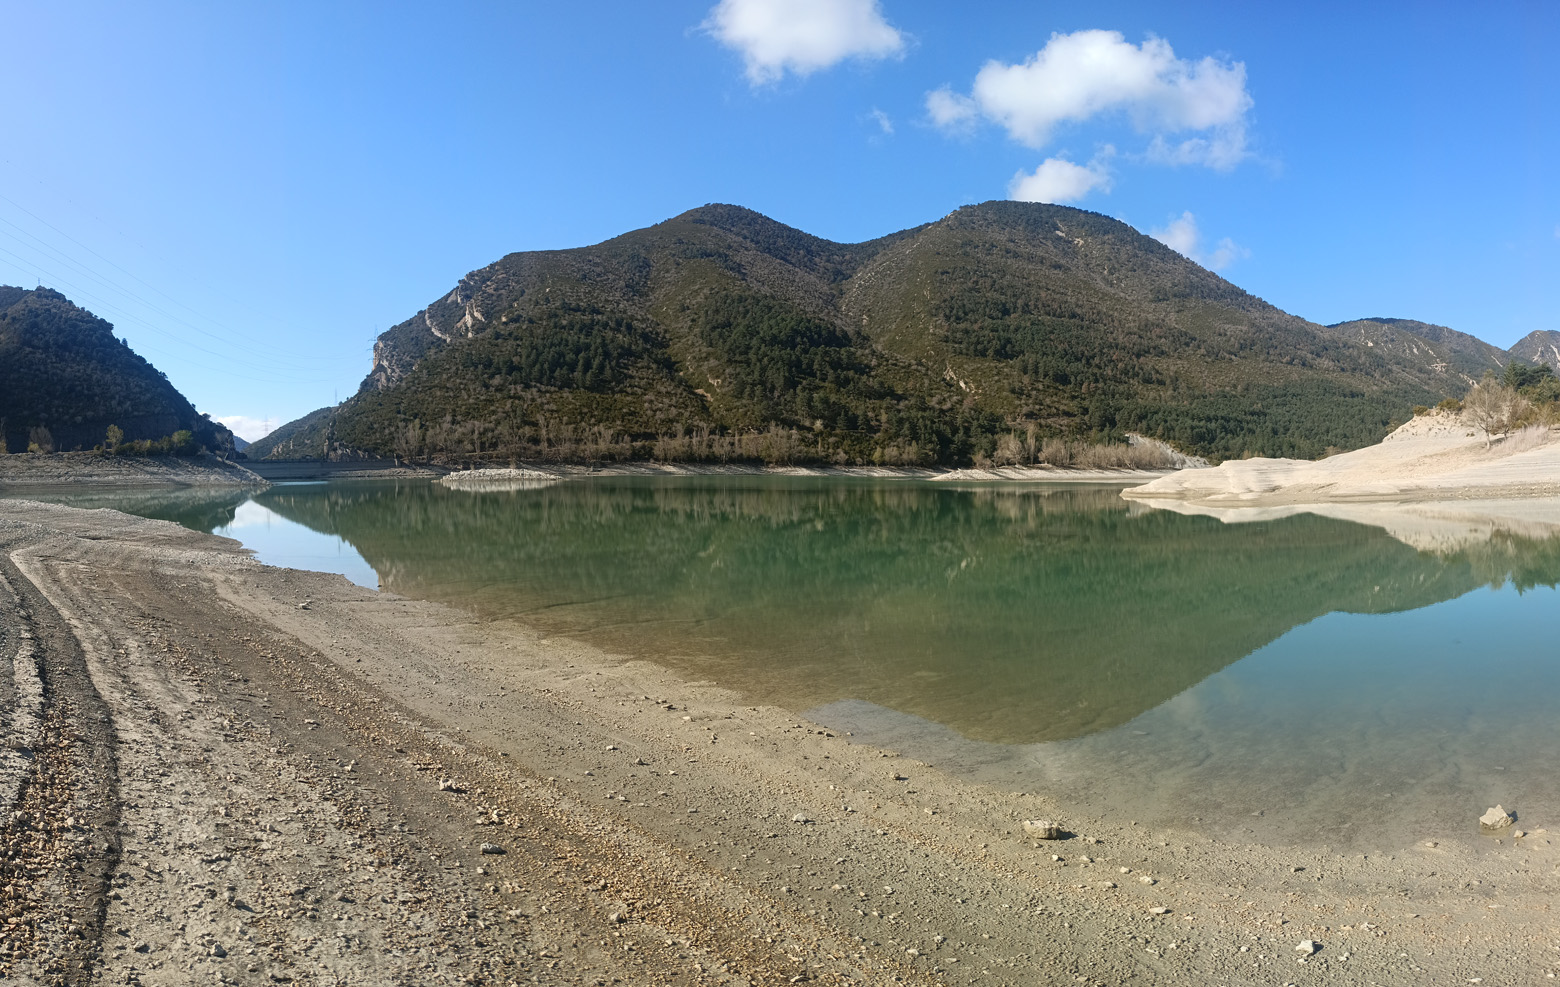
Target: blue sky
pixel 252 192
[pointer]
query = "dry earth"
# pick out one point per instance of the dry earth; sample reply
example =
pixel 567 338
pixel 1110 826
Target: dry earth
pixel 19 471
pixel 216 771
pixel 1435 457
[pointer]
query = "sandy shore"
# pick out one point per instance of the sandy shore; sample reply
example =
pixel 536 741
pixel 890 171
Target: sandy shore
pixel 1435 457
pixel 220 771
pixel 19 471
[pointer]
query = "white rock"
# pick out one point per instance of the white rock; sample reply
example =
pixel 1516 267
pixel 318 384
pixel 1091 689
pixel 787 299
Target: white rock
pixel 800 818
pixel 1043 829
pixel 1307 946
pixel 1496 819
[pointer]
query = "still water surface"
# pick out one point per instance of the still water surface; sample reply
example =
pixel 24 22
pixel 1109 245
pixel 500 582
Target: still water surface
pixel 1301 680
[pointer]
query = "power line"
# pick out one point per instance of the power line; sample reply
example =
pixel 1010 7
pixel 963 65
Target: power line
pixel 18 206
pixel 80 292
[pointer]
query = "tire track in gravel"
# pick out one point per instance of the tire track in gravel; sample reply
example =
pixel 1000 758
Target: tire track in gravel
pixel 59 840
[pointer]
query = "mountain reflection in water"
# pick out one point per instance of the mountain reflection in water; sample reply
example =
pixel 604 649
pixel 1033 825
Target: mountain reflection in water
pixel 1010 615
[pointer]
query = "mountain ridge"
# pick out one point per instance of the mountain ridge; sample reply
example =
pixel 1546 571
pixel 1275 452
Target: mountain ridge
pixel 722 333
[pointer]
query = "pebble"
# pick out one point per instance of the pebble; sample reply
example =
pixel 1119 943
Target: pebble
pixel 800 818
pixel 493 848
pixel 1307 946
pixel 1145 879
pixel 1043 829
pixel 1159 910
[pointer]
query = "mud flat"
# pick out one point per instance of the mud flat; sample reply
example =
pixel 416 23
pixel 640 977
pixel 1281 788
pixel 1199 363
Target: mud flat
pixel 19 471
pixel 213 769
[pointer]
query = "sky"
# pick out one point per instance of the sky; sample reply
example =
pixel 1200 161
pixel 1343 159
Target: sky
pixel 251 192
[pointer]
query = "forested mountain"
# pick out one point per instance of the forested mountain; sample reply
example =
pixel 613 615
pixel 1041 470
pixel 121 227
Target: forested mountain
pixel 1542 346
pixel 723 334
pixel 65 378
pixel 1468 355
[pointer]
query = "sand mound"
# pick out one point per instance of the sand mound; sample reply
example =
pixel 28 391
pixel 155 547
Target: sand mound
pixel 1435 457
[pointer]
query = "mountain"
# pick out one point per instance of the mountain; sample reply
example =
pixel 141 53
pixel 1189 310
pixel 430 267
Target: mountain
pixel 301 438
pixel 1468 355
pixel 65 378
pixel 723 334
pixel 1541 346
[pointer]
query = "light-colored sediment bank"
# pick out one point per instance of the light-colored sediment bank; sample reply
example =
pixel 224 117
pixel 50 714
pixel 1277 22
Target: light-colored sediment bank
pixel 18 471
pixel 213 768
pixel 1434 457
pixel 541 475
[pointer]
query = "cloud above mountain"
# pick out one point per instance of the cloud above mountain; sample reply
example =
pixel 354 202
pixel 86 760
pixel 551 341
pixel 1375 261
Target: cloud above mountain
pixel 802 36
pixel 1182 235
pixel 1059 180
pixel 1192 112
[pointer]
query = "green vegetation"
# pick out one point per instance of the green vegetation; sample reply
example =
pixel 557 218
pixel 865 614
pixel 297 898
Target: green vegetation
pixel 66 381
pixel 722 335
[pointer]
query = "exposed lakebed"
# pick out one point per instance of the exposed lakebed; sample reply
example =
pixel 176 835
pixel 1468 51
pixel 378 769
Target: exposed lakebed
pixel 1301 680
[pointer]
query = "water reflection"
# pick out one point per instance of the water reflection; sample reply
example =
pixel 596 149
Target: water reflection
pixel 1009 615
pixel 1296 678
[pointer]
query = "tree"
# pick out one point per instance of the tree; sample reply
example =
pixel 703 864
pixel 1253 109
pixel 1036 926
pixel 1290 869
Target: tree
pixel 1494 407
pixel 1520 376
pixel 40 439
pixel 115 436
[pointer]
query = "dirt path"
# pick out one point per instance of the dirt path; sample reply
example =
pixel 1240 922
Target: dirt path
pixel 217 771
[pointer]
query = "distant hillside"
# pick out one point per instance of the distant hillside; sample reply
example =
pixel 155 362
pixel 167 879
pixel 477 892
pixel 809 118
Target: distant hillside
pixel 1542 346
pixel 723 334
pixel 65 378
pixel 1468 355
pixel 303 438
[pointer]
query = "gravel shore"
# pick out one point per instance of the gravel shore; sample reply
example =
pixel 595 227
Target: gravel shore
pixel 218 771
pixel 20 471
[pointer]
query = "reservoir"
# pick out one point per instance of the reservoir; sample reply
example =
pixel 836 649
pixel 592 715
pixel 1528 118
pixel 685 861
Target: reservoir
pixel 1295 681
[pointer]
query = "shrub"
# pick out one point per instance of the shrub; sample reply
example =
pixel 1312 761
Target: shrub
pixel 1495 407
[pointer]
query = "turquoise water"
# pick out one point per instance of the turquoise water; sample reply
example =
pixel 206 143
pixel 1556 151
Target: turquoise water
pixel 1305 679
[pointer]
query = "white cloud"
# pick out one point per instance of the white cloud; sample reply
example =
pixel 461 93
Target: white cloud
pixel 801 36
pixel 1182 235
pixel 1058 180
pixel 246 428
pixel 1087 74
pixel 884 123
pixel 950 110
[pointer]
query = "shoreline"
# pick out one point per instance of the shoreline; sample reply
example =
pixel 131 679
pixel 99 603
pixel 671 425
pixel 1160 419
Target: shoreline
pixel 303 773
pixel 521 476
pixel 20 471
